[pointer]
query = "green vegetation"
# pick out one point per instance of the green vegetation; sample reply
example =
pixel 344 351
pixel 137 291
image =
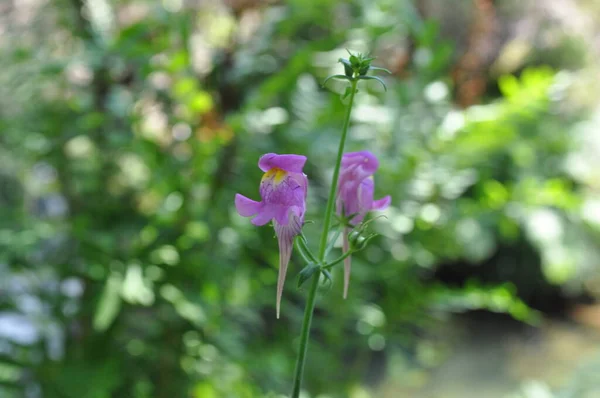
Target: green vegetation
pixel 127 127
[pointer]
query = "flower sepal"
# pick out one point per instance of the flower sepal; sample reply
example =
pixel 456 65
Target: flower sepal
pixel 356 67
pixel 359 242
pixel 345 221
pixel 357 64
pixel 358 238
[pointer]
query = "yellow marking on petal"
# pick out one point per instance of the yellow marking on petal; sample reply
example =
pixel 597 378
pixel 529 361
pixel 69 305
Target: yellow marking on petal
pixel 276 174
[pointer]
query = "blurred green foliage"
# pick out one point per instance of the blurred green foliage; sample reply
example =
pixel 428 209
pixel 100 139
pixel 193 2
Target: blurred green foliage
pixel 127 128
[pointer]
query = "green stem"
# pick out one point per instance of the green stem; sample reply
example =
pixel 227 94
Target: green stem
pixel 338 260
pixel 308 313
pixel 336 174
pixel 310 304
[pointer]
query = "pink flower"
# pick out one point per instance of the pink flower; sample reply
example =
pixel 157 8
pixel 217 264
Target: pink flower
pixel 355 195
pixel 283 191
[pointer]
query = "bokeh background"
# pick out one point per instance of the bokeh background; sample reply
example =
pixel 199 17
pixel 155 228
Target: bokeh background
pixel 127 127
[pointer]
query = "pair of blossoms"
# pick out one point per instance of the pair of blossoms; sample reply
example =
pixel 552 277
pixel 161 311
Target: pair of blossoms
pixel 283 190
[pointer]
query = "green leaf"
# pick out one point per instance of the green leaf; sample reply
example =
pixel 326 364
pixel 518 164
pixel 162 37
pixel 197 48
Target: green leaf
pixel 110 303
pixel 374 78
pixel 327 276
pixel 348 69
pixel 332 241
pixel 95 379
pixel 306 273
pixel 335 77
pixel 376 68
pixel 304 250
pixel 347 92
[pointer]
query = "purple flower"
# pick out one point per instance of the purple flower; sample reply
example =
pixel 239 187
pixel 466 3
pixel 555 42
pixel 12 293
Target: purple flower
pixel 355 195
pixel 283 192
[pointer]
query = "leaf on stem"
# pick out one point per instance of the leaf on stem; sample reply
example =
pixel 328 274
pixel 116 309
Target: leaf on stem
pixel 327 276
pixel 374 78
pixel 347 92
pixel 304 250
pixel 377 68
pixel 332 241
pixel 306 273
pixel 348 70
pixel 335 77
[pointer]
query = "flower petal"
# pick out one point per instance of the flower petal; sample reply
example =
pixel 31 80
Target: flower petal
pixel 302 181
pixel 282 214
pixel 363 159
pixel 365 199
pixel 285 236
pixel 246 207
pixel 382 203
pixel 290 162
pixel 285 192
pixel 347 261
pixel 265 215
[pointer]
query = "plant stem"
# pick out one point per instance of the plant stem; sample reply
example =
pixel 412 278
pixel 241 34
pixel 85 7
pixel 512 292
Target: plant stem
pixel 308 313
pixel 338 260
pixel 310 303
pixel 336 174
